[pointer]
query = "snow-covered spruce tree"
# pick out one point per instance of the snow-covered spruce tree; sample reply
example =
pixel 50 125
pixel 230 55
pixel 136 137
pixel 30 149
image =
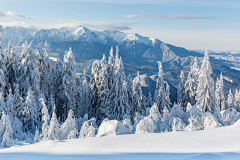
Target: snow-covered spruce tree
pixel 149 100
pixel 36 137
pixel 17 128
pixel 237 100
pixel 130 91
pixel 103 92
pixel 45 119
pixel 28 72
pixel 17 101
pixel 154 113
pixel 59 90
pixel 45 72
pixel 111 69
pixel 206 100
pixel 9 105
pixel 161 96
pixel 181 90
pixel 84 130
pixel 119 100
pixel 6 133
pixel 68 126
pixel 3 107
pixel 230 99
pixel 3 76
pixel 166 114
pixel 91 131
pixel 85 95
pixel 191 84
pixel 78 96
pixel 11 65
pixel 139 100
pixel 219 93
pixel 94 85
pixel 54 128
pixel 30 112
pixel 51 103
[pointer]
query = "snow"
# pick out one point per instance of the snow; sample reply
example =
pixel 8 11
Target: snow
pixel 219 143
pixel 112 128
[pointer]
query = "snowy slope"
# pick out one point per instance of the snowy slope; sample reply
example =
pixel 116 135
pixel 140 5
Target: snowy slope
pixel 219 143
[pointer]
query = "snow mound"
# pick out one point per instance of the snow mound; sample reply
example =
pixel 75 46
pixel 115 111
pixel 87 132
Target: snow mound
pixel 237 123
pixel 112 128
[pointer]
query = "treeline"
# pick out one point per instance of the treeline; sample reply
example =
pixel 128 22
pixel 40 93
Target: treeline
pixel 30 91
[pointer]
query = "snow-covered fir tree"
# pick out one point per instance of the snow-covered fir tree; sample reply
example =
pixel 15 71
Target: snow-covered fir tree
pixel 68 126
pixel 37 136
pixel 54 127
pixel 111 69
pixel 206 100
pixel 30 112
pixel 45 72
pixel 17 101
pixel 139 100
pixel 11 65
pixel 191 84
pixel 161 96
pixel 45 119
pixel 94 85
pixel 6 133
pixel 219 93
pixel 119 100
pixel 130 91
pixel 237 100
pixel 91 131
pixel 230 99
pixel 78 96
pixel 181 90
pixel 85 95
pixel 3 76
pixel 9 105
pixel 149 100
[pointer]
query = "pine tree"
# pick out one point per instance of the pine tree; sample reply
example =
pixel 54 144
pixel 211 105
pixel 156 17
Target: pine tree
pixel 230 99
pixel 68 126
pixel 161 96
pixel 191 84
pixel 119 100
pixel 85 95
pixel 111 69
pixel 94 85
pixel 3 80
pixel 166 114
pixel 78 96
pixel 36 137
pixel 17 101
pixel 181 90
pixel 6 133
pixel 30 112
pixel 205 93
pixel 54 128
pixel 220 94
pixel 130 92
pixel 45 72
pixel 45 119
pixel 139 100
pixel 91 131
pixel 9 105
pixel 237 100
pixel 103 91
pixel 11 65
pixel 149 100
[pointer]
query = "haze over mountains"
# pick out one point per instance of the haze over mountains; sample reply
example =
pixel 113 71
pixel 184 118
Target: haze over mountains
pixel 138 53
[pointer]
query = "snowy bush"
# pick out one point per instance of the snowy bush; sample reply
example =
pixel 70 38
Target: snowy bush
pixel 177 111
pixel 91 131
pixel 72 134
pixel 146 125
pixel 154 113
pixel 209 121
pixel 68 126
pixel 128 125
pixel 166 114
pixel 84 130
pixel 176 124
pixel 229 116
pixel 54 128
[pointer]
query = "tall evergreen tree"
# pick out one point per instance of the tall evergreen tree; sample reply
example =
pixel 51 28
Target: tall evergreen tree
pixel 230 99
pixel 161 96
pixel 111 69
pixel 85 95
pixel 130 92
pixel 191 84
pixel 219 93
pixel 206 100
pixel 139 100
pixel 119 100
pixel 149 100
pixel 3 76
pixel 181 90
pixel 237 100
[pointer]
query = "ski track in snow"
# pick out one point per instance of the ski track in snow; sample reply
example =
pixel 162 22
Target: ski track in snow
pixel 219 143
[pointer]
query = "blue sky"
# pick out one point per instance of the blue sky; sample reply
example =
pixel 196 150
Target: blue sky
pixel 186 23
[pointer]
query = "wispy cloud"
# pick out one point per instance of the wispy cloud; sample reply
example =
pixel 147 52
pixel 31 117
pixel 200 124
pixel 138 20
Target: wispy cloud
pixel 131 16
pixel 31 17
pixel 184 17
pixel 74 23
pixel 10 14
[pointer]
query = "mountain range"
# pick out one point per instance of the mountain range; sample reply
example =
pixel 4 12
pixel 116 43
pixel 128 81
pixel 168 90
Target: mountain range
pixel 137 52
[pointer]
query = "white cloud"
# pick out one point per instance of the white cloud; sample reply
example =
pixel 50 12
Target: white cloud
pixel 74 23
pixel 31 17
pixel 10 14
pixel 184 17
pixel 131 16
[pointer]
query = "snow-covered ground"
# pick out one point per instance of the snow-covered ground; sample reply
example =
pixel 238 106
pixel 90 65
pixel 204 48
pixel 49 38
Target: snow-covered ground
pixel 219 143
